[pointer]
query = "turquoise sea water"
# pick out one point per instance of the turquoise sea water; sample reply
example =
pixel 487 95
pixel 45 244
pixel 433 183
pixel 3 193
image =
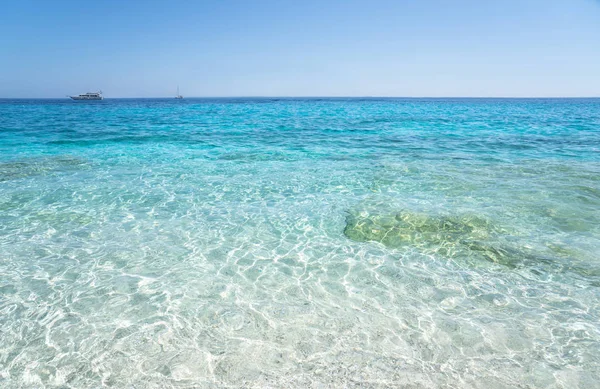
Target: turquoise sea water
pixel 300 243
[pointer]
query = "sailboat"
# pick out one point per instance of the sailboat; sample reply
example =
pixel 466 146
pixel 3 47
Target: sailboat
pixel 178 95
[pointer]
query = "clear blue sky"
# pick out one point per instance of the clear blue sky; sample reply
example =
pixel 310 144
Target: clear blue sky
pixel 131 48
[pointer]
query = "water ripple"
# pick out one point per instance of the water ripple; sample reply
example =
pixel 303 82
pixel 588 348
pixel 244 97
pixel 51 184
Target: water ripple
pixel 300 243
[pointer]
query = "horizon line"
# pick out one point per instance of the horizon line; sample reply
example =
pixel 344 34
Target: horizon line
pixel 318 97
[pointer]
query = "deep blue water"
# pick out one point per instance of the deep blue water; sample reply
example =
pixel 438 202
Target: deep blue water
pixel 300 243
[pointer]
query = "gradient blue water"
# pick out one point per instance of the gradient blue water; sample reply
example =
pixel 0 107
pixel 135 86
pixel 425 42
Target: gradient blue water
pixel 300 243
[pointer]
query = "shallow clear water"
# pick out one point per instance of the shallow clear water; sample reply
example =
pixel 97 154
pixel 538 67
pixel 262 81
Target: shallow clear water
pixel 300 243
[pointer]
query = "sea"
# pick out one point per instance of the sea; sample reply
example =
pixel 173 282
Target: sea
pixel 300 243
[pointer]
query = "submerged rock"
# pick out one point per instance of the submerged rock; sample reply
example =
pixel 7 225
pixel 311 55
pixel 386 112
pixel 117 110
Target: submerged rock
pixel 470 239
pixel 38 166
pixel 410 228
pixel 465 235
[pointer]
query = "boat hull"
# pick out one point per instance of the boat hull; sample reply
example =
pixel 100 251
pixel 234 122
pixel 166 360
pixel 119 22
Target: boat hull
pixel 86 98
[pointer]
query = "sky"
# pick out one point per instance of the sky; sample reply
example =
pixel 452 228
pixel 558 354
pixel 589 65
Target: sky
pixel 416 48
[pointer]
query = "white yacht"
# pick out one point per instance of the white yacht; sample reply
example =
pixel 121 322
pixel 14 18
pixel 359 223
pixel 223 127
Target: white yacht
pixel 89 96
pixel 178 95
